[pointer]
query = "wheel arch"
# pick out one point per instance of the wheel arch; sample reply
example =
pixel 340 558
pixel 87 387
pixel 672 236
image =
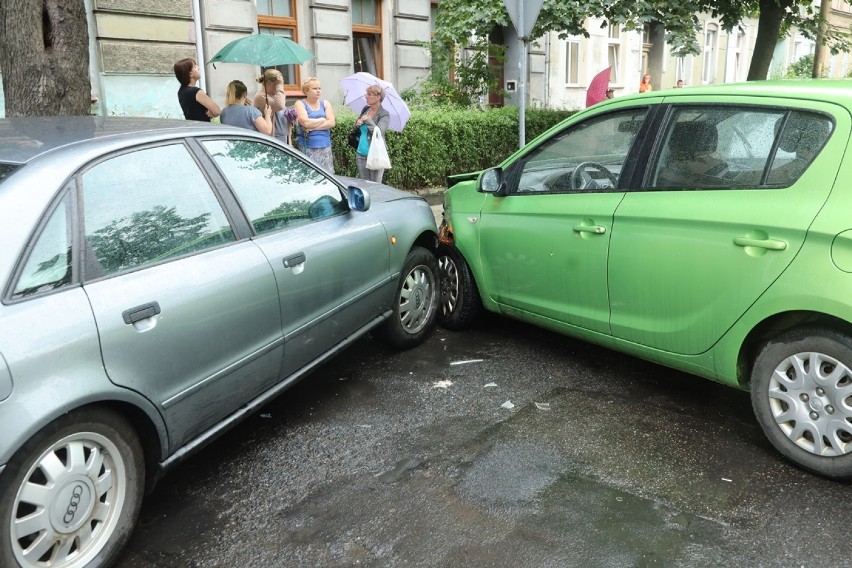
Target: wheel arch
pixel 775 325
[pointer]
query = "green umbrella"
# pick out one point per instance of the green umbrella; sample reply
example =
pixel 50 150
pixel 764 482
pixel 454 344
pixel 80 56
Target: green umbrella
pixel 262 49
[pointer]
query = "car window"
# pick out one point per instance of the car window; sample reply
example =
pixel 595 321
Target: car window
pixel 721 147
pixel 148 206
pixel 275 188
pixel 49 263
pixel 803 136
pixel 587 157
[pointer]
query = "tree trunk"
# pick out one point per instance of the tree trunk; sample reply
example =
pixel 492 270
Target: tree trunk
pixel 768 31
pixel 44 57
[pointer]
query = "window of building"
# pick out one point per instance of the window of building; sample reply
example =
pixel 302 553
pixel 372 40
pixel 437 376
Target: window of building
pixel 572 61
pixel 614 53
pixel 708 69
pixel 278 18
pixel 367 36
pixel 739 47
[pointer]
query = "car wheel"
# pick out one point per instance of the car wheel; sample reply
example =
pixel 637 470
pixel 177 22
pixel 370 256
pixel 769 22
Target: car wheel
pixel 71 495
pixel 415 302
pixel 460 303
pixel 801 391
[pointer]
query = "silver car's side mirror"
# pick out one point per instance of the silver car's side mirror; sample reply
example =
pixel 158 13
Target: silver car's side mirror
pixel 359 199
pixel 491 181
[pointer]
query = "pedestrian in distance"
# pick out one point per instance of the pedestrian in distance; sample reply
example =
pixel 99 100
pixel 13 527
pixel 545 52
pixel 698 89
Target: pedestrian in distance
pixel 372 116
pixel 679 84
pixel 271 93
pixel 194 102
pixel 315 121
pixel 645 84
pixel 240 113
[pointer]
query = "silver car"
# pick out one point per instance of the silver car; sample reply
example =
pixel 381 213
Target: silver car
pixel 160 281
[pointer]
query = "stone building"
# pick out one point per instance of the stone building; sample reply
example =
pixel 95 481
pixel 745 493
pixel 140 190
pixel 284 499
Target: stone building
pixel 134 44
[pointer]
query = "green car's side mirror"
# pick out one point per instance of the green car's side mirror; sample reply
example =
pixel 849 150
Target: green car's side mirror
pixel 491 181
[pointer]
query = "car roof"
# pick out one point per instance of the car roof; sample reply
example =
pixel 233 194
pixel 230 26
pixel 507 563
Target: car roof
pixel 24 138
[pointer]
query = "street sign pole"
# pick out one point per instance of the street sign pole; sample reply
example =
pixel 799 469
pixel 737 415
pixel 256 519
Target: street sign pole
pixel 523 14
pixel 522 82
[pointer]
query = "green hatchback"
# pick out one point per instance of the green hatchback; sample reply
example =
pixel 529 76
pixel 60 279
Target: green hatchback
pixel 706 229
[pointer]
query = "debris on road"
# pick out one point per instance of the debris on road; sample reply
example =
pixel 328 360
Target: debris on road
pixel 508 404
pixel 445 384
pixel 466 362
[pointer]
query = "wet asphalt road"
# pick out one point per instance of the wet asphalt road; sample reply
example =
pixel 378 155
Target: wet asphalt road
pixel 386 458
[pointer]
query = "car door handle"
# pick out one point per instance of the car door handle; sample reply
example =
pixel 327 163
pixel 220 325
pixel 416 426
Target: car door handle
pixel 139 313
pixel 596 229
pixel 294 260
pixel 768 244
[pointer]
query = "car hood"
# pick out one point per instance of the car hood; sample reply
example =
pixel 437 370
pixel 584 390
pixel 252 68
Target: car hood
pixel 379 192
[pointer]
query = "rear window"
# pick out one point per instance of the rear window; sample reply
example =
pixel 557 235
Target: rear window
pixel 6 170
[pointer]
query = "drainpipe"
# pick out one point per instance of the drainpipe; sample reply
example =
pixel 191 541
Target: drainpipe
pixel 547 71
pixel 199 42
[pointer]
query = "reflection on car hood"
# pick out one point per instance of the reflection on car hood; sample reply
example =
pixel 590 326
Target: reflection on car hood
pixel 379 192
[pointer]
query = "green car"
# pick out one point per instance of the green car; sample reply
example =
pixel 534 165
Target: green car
pixel 706 229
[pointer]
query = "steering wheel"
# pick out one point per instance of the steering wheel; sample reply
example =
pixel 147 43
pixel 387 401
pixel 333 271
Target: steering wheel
pixel 582 179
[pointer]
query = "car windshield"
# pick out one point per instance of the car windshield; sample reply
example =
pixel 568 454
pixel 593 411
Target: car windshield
pixel 6 170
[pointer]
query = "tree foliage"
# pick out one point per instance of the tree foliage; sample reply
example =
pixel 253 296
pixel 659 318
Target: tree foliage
pixel 459 20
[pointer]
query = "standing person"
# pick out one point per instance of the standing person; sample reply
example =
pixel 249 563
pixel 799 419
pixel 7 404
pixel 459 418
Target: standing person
pixel 679 84
pixel 196 104
pixel 315 121
pixel 645 85
pixel 271 93
pixel 372 116
pixel 240 113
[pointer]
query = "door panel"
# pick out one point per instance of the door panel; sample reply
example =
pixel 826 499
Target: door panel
pixel 689 257
pixel 186 316
pixel 331 277
pixel 545 245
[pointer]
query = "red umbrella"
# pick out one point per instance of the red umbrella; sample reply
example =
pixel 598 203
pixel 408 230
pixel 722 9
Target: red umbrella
pixel 598 87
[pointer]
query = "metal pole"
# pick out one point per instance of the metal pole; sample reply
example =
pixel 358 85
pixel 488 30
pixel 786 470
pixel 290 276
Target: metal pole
pixel 522 80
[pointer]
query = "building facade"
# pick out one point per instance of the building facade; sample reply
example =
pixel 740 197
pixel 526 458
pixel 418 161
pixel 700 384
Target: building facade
pixel 135 43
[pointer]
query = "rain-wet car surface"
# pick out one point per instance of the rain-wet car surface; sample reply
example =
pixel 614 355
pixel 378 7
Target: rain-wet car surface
pixel 162 280
pixel 704 228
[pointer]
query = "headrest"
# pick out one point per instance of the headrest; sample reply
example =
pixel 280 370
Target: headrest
pixel 691 138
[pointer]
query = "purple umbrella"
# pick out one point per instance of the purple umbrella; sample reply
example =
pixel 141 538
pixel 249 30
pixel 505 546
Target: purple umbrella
pixel 354 96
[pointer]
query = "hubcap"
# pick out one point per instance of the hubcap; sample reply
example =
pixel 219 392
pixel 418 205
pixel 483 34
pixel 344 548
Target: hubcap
pixel 449 285
pixel 810 396
pixel 68 504
pixel 417 299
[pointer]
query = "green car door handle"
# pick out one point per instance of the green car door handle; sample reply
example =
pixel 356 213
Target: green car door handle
pixel 596 229
pixel 768 244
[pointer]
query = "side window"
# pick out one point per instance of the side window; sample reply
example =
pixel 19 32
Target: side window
pixel 716 148
pixel 148 206
pixel 49 264
pixel 276 189
pixel 803 136
pixel 586 157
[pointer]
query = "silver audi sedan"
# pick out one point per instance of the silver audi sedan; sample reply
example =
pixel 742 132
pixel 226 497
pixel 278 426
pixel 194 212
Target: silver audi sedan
pixel 160 281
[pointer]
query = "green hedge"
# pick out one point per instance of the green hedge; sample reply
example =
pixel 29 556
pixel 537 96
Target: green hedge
pixel 439 142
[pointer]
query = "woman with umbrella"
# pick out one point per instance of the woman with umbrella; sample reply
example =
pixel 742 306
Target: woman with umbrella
pixel 315 119
pixel 271 93
pixel 372 116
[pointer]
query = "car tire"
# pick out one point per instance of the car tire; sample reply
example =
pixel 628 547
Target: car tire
pixel 90 462
pixel 460 302
pixel 415 302
pixel 801 392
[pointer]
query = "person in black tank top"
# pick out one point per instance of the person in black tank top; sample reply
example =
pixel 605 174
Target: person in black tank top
pixel 196 104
